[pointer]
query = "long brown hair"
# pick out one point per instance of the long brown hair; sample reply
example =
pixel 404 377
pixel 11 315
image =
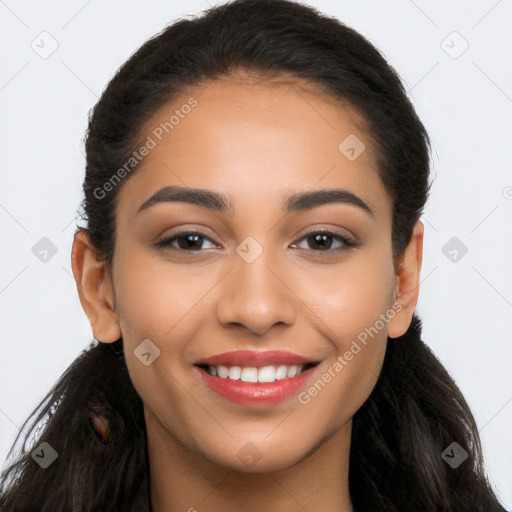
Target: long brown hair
pixel 415 410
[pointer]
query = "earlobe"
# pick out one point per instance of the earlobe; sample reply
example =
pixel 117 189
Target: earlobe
pixel 408 283
pixel 95 289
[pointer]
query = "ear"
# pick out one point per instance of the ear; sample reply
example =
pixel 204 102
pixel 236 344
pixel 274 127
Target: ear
pixel 407 281
pixel 94 288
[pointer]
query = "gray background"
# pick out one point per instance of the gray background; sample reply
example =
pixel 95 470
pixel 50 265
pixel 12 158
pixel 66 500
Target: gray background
pixel 463 96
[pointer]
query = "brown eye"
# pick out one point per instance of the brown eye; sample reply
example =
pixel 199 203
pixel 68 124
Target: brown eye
pixel 322 241
pixel 317 241
pixel 188 241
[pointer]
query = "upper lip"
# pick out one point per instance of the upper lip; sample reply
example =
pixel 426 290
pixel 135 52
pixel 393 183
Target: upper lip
pixel 255 358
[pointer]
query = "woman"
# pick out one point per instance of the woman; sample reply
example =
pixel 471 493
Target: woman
pixel 244 361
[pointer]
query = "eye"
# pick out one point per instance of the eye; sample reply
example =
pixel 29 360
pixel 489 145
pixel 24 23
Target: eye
pixel 189 241
pixel 322 239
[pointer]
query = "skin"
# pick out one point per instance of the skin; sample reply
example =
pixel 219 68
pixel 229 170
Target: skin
pixel 255 140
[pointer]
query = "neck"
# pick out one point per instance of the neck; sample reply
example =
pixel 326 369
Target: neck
pixel 182 480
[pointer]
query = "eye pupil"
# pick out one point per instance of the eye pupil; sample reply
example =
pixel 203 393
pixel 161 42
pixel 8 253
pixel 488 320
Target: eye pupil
pixel 320 240
pixel 190 241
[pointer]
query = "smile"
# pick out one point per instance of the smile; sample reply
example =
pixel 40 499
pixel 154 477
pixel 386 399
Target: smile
pixel 256 382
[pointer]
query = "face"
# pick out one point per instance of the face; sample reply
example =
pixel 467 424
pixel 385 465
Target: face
pixel 254 286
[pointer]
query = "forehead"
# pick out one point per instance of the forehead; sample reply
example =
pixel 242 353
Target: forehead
pixel 257 138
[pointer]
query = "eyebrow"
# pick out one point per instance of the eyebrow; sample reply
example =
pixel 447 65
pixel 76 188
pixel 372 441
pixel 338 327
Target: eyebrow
pixel 221 203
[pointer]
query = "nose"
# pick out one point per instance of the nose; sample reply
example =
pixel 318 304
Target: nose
pixel 257 295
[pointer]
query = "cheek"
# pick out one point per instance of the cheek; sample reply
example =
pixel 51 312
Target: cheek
pixel 352 297
pixel 351 309
pixel 165 305
pixel 154 297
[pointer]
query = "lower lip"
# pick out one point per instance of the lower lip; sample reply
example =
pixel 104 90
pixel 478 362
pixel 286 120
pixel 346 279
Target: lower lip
pixel 255 393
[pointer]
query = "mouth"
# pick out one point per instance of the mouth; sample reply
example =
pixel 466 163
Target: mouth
pixel 259 378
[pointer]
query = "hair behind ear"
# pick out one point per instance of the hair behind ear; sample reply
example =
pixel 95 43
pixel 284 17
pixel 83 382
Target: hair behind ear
pixel 89 474
pixel 414 413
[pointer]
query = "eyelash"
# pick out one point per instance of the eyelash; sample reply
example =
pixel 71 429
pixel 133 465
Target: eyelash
pixel 348 243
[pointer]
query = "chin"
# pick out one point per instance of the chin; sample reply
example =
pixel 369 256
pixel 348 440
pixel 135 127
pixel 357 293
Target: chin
pixel 259 457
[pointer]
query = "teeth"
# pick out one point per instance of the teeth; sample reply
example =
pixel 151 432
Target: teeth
pixel 248 374
pixel 234 372
pixel 222 371
pixel 281 372
pixel 266 374
pixel 292 371
pixel 252 374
